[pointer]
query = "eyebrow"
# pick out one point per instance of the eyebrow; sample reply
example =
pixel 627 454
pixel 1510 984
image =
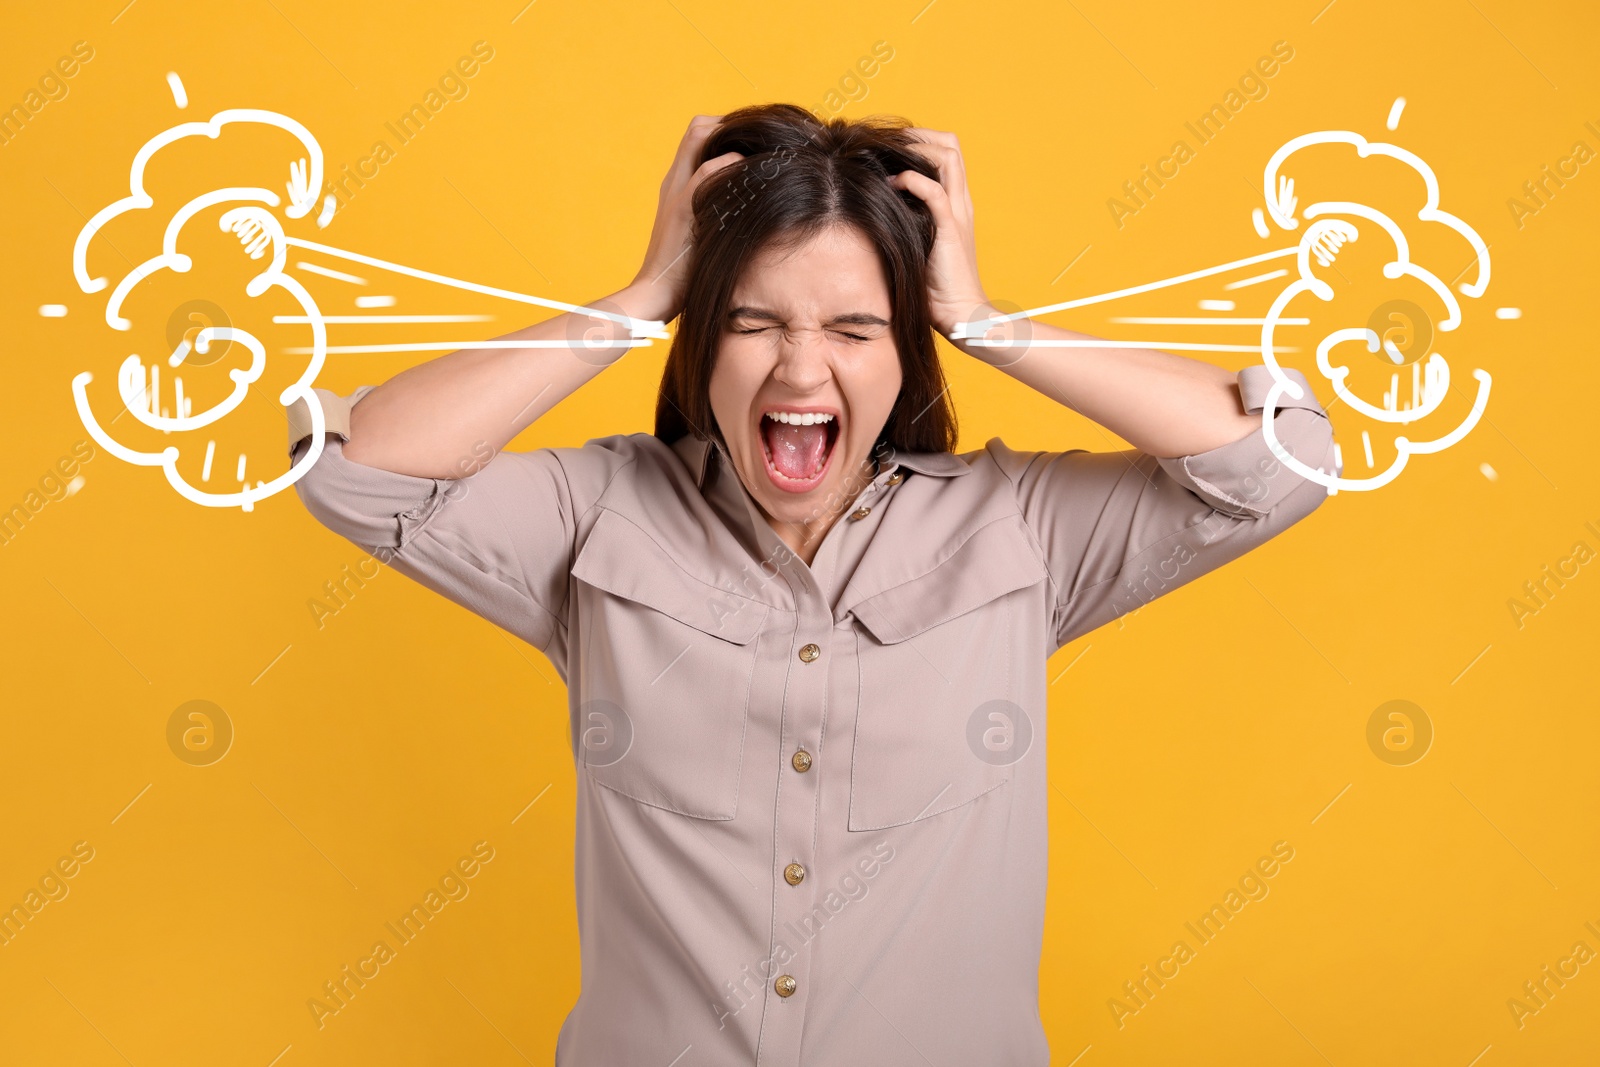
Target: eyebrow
pixel 850 318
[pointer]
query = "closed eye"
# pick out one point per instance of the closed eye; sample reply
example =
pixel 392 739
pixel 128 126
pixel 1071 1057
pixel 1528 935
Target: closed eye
pixel 748 331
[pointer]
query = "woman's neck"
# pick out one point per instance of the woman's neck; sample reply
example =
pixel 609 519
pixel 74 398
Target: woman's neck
pixel 804 538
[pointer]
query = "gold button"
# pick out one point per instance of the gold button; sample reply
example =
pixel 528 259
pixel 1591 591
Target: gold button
pixel 802 761
pixel 785 985
pixel 895 479
pixel 860 513
pixel 794 874
pixel 809 653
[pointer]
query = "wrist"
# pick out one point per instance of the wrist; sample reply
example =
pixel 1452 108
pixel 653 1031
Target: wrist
pixel 645 299
pixel 970 318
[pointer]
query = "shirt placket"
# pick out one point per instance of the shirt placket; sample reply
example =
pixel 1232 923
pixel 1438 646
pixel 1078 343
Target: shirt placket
pixel 799 888
pixel 796 884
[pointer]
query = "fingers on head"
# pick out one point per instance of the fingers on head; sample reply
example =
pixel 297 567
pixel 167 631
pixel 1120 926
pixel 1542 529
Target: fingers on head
pixel 921 186
pixel 716 163
pixel 938 137
pixel 945 157
pixel 700 128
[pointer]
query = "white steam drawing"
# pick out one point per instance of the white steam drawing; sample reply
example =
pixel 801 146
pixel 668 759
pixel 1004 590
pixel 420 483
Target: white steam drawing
pixel 139 385
pixel 254 220
pixel 1330 226
pixel 258 217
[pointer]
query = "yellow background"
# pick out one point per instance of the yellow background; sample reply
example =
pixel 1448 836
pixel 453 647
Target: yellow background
pixel 373 752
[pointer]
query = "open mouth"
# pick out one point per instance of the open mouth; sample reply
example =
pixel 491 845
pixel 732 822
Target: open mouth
pixel 798 446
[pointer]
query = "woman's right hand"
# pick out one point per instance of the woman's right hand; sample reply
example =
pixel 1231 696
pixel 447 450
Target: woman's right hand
pixel 663 278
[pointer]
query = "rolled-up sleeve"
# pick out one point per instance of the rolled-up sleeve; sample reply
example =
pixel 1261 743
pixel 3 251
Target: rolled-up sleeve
pixel 1119 529
pixel 499 542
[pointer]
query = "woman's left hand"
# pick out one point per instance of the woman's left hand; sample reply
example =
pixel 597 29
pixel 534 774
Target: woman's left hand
pixel 955 294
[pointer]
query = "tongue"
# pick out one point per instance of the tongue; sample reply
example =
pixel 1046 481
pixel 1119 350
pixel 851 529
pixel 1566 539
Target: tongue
pixel 797 451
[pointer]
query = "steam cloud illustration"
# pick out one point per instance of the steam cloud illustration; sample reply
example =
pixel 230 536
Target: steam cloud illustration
pixel 1330 225
pixel 262 234
pixel 252 217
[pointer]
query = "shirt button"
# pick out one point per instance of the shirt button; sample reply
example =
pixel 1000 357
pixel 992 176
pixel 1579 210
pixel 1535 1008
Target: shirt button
pixel 794 874
pixel 860 513
pixel 802 761
pixel 809 653
pixel 785 985
pixel 895 479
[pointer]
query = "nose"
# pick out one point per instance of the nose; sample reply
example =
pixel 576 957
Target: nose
pixel 803 361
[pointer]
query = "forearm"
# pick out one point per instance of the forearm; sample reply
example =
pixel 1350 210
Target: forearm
pixel 1162 404
pixel 429 418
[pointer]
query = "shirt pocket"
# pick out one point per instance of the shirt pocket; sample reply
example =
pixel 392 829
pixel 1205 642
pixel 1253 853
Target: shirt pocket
pixel 940 718
pixel 661 682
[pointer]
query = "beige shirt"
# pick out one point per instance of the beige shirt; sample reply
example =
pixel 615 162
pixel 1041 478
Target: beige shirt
pixel 811 811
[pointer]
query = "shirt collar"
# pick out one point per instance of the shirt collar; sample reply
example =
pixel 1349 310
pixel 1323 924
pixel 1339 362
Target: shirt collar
pixel 699 455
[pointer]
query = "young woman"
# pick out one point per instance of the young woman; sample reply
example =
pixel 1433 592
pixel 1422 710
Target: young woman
pixel 804 640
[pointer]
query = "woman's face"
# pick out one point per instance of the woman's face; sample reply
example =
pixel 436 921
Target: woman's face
pixel 806 374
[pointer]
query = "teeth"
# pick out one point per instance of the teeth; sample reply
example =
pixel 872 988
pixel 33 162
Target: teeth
pixel 795 418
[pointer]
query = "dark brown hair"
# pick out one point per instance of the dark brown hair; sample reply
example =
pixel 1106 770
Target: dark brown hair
pixel 800 175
